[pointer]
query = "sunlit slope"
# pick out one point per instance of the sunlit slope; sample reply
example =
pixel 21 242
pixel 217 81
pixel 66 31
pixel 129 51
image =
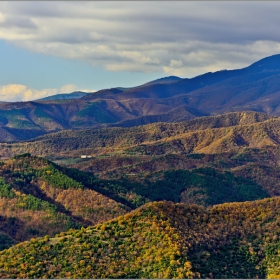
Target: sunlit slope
pixel 159 240
pixel 221 133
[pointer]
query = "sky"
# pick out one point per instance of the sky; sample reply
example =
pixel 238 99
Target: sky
pixel 50 47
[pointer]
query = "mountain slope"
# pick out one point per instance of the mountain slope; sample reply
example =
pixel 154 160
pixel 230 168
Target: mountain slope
pixel 159 240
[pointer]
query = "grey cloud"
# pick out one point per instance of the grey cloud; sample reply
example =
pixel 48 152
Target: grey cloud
pixel 19 22
pixel 149 35
pixel 56 9
pixel 33 9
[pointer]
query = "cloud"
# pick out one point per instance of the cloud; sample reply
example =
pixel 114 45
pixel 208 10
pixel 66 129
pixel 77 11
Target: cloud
pixel 17 22
pixel 87 90
pixel 68 88
pixel 178 37
pixel 2 18
pixel 18 92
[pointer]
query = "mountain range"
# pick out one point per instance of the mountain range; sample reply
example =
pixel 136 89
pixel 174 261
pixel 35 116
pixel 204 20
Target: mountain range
pixel 171 99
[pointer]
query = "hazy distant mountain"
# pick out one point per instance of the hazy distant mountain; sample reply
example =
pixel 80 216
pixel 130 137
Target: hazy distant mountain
pixel 254 88
pixel 73 95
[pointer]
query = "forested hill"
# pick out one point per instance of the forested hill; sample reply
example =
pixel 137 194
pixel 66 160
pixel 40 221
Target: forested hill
pixel 215 134
pixel 39 197
pixel 159 240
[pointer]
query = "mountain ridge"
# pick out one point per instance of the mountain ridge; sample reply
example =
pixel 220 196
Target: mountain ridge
pixel 254 88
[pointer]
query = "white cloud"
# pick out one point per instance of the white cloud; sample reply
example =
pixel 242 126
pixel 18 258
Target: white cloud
pixel 68 88
pixel 18 92
pixel 87 90
pixel 176 63
pixel 184 37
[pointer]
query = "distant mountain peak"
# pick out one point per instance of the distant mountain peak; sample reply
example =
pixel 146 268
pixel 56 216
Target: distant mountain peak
pixel 60 96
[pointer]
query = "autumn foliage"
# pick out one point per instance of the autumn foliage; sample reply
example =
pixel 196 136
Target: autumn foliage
pixel 159 240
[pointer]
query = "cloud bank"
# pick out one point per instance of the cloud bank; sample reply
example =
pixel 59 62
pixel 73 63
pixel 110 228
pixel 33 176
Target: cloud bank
pixel 184 38
pixel 18 92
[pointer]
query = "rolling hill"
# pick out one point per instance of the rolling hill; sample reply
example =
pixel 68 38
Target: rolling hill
pixel 215 134
pixel 39 197
pixel 246 144
pixel 170 99
pixel 159 240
